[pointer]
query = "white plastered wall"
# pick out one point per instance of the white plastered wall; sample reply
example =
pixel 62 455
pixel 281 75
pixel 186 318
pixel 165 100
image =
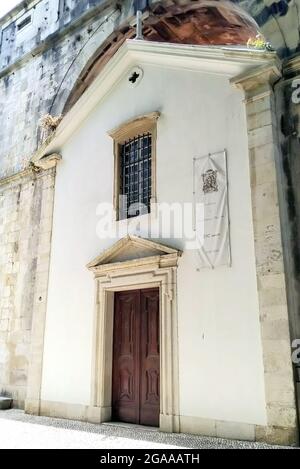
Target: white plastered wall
pixel 220 356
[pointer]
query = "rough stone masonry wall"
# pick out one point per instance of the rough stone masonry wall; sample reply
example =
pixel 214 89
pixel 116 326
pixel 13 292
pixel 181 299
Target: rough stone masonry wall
pixel 29 90
pixel 25 234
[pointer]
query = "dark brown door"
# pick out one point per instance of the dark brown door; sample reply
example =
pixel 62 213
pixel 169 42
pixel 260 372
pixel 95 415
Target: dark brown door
pixel 136 383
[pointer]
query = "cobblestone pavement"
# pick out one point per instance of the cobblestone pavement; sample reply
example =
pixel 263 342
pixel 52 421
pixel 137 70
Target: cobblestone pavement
pixel 18 431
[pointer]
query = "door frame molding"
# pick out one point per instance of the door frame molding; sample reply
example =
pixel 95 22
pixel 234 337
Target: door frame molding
pixel 149 272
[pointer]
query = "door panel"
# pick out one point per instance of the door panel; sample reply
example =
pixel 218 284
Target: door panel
pixel 136 363
pixel 149 379
pixel 125 363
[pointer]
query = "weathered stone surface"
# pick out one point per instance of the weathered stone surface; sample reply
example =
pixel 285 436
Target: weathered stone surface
pixel 270 266
pixel 30 201
pixel 277 435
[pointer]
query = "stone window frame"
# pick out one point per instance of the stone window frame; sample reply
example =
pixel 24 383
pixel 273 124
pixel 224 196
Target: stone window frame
pixel 143 124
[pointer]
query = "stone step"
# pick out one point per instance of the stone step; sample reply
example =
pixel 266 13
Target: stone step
pixel 5 403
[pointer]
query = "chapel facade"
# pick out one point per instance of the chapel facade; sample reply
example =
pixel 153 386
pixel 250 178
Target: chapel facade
pixel 149 225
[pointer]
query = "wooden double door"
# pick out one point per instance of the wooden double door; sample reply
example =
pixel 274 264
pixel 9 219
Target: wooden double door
pixel 136 360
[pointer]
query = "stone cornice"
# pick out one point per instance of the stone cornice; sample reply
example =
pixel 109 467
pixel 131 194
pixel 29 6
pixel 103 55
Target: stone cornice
pixel 42 149
pixel 17 176
pixel 292 67
pixel 45 164
pixel 135 126
pixel 259 80
pixel 153 262
pixel 48 162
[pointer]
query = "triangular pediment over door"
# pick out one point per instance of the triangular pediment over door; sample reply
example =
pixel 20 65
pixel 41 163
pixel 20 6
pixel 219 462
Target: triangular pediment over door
pixel 134 250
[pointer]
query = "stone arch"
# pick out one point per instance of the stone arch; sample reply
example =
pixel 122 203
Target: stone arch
pixel 199 22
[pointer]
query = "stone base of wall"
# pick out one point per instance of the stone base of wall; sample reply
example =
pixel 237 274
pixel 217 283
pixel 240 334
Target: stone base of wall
pixel 217 428
pixel 283 436
pixel 80 412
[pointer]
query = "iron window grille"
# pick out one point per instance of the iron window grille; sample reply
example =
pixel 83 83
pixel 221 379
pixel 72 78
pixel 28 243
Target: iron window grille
pixel 135 174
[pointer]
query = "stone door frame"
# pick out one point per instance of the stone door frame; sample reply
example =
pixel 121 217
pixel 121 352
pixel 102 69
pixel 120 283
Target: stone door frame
pixel 150 272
